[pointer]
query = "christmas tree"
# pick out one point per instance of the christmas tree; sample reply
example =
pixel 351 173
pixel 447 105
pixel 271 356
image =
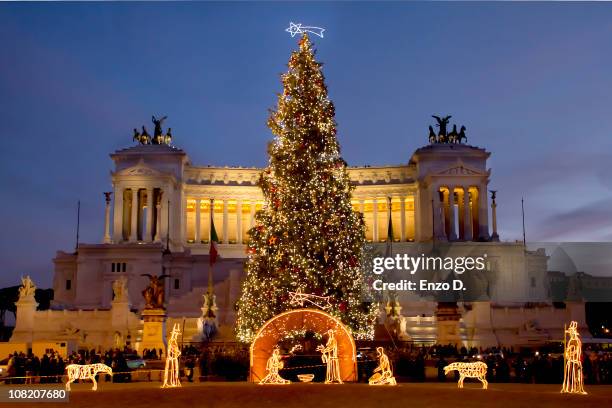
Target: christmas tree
pixel 307 238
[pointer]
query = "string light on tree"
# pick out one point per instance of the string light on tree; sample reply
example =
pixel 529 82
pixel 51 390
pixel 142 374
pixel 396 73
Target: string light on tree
pixel 307 239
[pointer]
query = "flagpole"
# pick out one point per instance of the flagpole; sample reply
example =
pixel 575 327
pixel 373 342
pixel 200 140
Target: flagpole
pixel 523 214
pixel 78 226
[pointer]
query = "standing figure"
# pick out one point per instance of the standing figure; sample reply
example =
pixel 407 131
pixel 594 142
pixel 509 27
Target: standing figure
pixel 573 380
pixel 442 122
pixel 157 133
pixel 383 375
pixel 329 355
pixel 273 366
pixel 171 372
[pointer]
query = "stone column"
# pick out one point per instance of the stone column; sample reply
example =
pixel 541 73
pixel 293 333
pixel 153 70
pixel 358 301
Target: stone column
pixel 107 236
pixel 118 215
pixel 403 218
pixel 239 222
pixel 149 225
pixel 494 236
pixel 134 215
pixel 483 213
pixel 225 229
pixel 252 207
pixel 438 215
pixel 451 214
pixel 467 217
pixel 158 217
pixel 374 220
pixel 197 239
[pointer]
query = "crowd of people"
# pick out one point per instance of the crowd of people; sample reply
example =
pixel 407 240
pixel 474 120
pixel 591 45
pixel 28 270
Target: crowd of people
pixel 50 368
pixel 504 364
pixel 230 362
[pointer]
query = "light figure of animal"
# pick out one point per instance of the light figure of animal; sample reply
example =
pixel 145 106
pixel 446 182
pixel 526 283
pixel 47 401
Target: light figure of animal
pixel 85 372
pixel 469 370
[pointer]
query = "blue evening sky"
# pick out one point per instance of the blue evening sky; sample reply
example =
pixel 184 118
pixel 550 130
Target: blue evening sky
pixel 532 83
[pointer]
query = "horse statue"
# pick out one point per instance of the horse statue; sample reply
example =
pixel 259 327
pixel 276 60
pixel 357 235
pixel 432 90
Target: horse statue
pixel 86 371
pixel 461 136
pixel 452 136
pixel 469 370
pixel 432 135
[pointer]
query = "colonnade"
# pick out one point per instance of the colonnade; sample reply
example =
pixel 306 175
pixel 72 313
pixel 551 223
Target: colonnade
pixel 234 217
pixel 460 212
pixel 138 215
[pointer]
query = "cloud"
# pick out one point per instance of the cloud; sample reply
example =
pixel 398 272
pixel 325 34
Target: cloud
pixel 591 222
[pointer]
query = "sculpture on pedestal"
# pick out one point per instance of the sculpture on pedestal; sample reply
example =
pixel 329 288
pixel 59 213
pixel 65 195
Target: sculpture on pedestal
pixel 27 288
pixel 154 293
pixel 120 290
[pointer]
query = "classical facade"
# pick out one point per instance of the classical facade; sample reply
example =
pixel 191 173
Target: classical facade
pixel 158 221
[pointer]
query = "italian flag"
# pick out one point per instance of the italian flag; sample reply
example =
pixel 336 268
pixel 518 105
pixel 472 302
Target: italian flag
pixel 214 239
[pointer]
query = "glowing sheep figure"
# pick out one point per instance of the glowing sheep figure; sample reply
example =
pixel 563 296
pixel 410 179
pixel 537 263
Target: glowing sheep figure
pixel 469 370
pixel 85 372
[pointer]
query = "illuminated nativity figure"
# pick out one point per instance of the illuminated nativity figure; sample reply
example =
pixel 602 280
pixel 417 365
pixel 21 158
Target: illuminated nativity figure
pixel 573 381
pixel 329 355
pixel 273 366
pixel 171 372
pixel 383 375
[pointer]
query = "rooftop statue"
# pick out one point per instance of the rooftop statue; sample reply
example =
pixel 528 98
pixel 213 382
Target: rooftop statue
pixel 158 132
pixel 442 122
pixel 443 137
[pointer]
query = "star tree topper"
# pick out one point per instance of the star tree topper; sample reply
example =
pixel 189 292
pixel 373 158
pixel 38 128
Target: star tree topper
pixel 295 29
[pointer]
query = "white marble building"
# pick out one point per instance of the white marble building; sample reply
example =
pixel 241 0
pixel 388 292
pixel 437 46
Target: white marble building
pixel 158 221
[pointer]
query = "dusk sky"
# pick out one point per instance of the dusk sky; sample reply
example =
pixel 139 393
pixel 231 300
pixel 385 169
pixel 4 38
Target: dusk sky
pixel 531 82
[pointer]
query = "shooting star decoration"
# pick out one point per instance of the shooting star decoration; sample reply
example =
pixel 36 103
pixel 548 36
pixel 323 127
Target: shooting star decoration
pixel 298 299
pixel 295 29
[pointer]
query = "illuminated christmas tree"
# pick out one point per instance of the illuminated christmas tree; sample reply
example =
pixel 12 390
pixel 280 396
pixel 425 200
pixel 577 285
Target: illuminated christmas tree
pixel 307 238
